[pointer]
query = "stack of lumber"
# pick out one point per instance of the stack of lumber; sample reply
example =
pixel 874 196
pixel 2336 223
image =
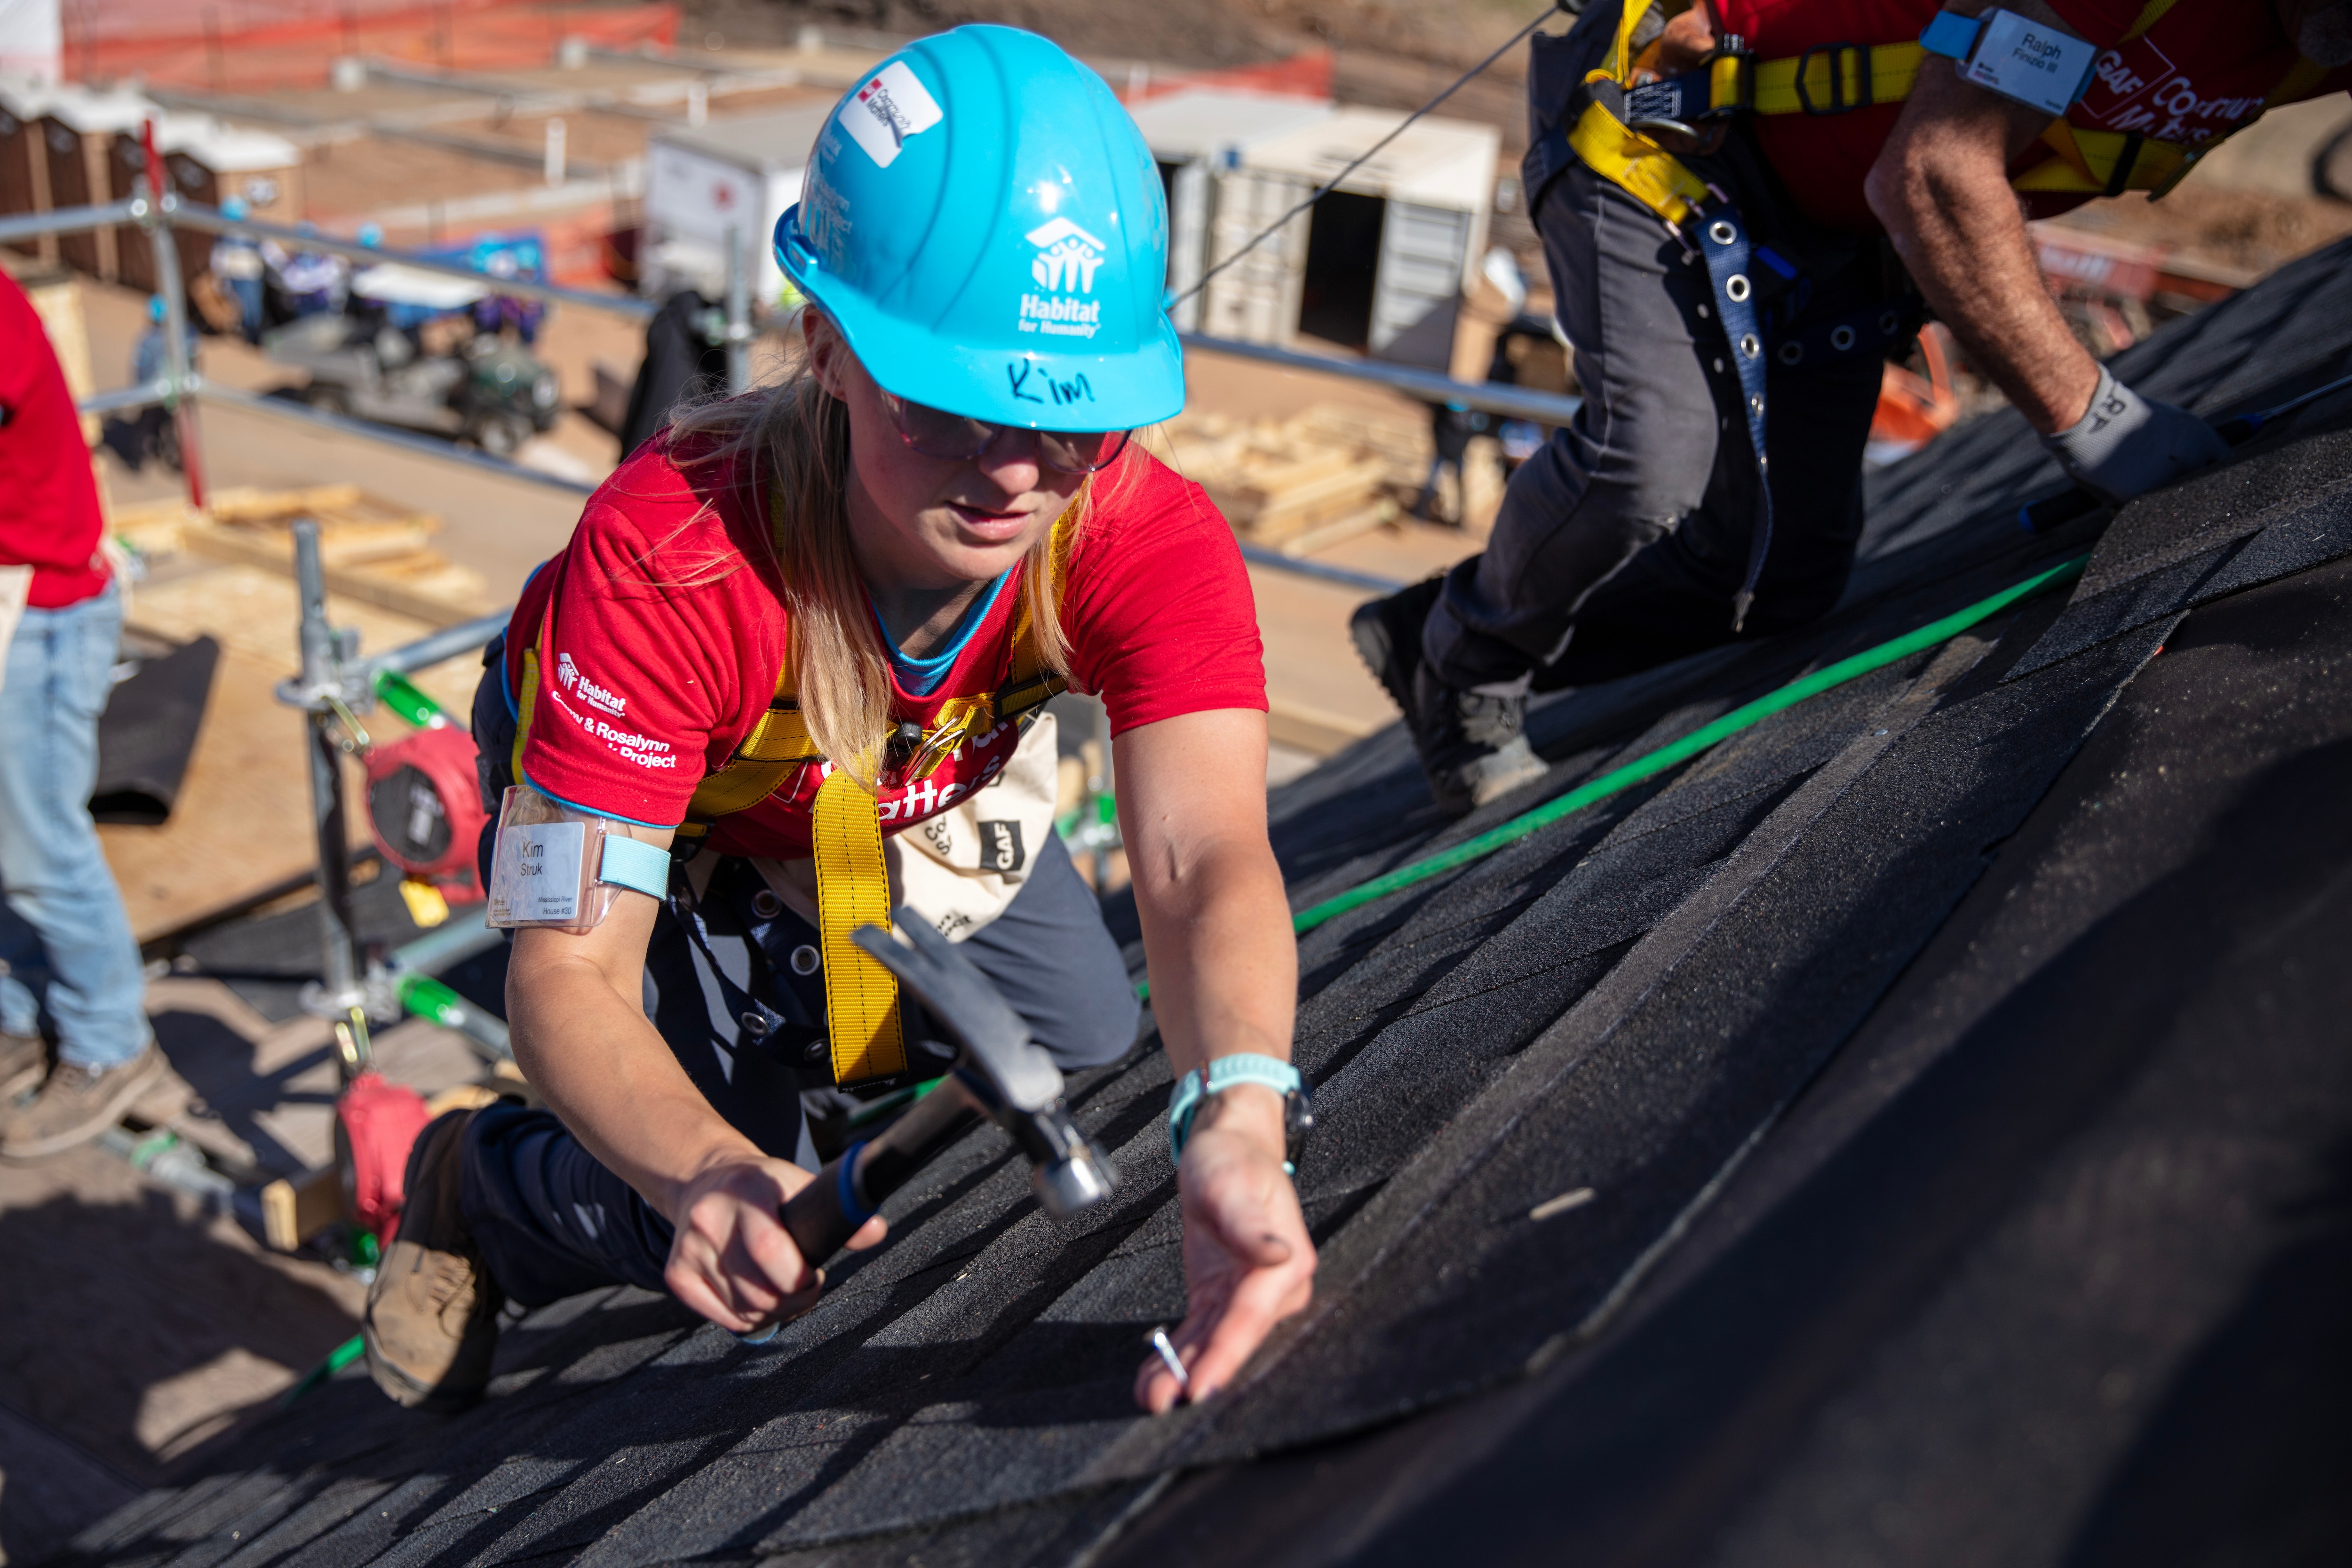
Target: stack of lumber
pixel 373 551
pixel 1302 483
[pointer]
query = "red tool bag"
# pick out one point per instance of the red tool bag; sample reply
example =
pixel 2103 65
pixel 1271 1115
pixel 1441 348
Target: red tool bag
pixel 425 809
pixel 377 1123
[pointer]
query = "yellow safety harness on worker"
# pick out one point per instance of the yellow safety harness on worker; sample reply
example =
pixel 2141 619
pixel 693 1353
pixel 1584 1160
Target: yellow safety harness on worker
pixel 1834 78
pixel 1615 136
pixel 865 1036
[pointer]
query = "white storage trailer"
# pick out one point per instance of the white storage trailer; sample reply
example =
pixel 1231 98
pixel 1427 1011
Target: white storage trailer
pixel 1197 136
pixel 740 171
pixel 1387 254
pixel 1380 263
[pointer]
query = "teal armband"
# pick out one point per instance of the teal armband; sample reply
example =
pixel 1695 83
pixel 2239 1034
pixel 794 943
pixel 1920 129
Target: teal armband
pixel 1230 1072
pixel 636 865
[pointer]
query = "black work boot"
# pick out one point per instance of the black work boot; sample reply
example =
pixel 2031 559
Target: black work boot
pixel 432 1317
pixel 1472 746
pixel 1387 634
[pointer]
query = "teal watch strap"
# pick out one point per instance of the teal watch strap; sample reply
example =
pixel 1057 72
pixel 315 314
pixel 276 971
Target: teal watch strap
pixel 634 864
pixel 1225 1072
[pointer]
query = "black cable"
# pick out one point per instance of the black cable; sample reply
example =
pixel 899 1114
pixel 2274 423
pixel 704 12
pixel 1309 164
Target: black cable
pixel 1332 184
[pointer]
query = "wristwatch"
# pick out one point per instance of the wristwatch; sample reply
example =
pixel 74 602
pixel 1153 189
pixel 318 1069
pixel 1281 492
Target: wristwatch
pixel 1229 1072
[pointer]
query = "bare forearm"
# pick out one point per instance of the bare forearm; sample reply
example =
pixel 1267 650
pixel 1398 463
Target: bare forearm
pixel 603 1070
pixel 1224 965
pixel 1941 188
pixel 1216 922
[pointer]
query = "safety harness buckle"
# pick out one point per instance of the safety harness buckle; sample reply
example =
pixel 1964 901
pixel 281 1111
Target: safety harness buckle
pixel 1718 87
pixel 1839 103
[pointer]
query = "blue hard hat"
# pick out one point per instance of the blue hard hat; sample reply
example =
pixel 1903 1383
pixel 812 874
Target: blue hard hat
pixel 985 224
pixel 233 209
pixel 371 235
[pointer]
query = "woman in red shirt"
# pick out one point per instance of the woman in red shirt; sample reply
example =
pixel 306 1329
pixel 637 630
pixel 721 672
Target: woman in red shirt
pixel 814 617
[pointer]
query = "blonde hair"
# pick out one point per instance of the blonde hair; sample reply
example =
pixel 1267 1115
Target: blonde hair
pixel 794 436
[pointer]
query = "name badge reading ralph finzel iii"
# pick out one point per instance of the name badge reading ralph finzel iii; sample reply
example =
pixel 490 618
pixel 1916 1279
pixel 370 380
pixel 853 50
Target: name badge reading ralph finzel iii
pixel 2031 62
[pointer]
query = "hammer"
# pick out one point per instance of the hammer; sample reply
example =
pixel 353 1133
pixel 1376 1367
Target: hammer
pixel 1000 1073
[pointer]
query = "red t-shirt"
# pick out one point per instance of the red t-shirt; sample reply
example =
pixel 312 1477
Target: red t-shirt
pixel 48 500
pixel 657 660
pixel 2206 65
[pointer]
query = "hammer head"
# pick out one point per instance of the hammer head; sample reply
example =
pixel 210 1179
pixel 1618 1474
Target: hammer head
pixel 1007 1074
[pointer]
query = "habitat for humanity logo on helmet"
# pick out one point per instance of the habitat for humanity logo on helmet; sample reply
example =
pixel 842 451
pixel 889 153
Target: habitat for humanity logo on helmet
pixel 891 106
pixel 1066 260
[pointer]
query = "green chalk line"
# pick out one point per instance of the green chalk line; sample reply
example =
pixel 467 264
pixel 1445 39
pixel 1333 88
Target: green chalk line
pixel 1675 753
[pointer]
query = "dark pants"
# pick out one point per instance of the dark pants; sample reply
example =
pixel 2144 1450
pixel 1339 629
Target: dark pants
pixel 722 989
pixel 1636 516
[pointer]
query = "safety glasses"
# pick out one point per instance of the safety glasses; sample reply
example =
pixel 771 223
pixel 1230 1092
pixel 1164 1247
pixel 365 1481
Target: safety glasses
pixel 953 439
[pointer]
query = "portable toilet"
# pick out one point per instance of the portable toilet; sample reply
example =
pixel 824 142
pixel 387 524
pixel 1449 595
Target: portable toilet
pixel 1382 261
pixel 1196 135
pixel 24 168
pixel 740 173
pixel 207 162
pixel 78 133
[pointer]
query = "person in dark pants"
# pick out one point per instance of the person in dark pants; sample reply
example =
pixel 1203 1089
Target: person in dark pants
pixel 1644 524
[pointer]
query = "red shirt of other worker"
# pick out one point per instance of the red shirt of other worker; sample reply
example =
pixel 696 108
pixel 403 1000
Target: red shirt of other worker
pixel 2206 66
pixel 49 519
pixel 661 628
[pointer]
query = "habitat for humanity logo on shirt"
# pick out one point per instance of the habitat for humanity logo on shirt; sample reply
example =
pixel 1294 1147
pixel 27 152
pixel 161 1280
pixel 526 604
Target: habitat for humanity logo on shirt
pixel 1066 260
pixel 892 106
pixel 568 675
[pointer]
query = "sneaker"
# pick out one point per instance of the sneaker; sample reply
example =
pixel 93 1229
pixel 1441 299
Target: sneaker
pixel 1473 745
pixel 75 1105
pixel 433 1311
pixel 1387 634
pixel 23 1060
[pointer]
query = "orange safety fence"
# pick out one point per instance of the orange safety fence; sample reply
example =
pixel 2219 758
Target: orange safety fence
pixel 248 46
pixel 1304 75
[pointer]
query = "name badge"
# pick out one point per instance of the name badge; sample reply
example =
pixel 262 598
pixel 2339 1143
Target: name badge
pixel 2028 61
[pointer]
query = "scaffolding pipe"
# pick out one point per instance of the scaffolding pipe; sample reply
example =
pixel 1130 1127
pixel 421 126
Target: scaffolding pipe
pixel 190 215
pixel 179 383
pixel 738 313
pixel 1511 402
pixel 70 220
pixel 321 678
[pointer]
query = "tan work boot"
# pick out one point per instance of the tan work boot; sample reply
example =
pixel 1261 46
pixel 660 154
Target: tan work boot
pixel 75 1105
pixel 23 1060
pixel 433 1313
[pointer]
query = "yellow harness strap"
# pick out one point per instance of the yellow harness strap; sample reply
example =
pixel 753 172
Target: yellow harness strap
pixel 1639 166
pixel 853 889
pixel 1838 77
pixel 1882 73
pixel 852 879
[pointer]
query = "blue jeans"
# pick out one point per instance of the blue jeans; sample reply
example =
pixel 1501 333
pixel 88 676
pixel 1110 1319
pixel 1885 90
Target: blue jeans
pixel 66 922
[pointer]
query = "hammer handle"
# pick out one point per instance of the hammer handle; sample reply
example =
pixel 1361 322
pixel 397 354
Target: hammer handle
pixel 816 1217
pixel 824 1216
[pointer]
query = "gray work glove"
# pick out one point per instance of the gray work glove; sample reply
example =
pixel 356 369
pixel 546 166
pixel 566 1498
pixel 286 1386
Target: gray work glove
pixel 2126 444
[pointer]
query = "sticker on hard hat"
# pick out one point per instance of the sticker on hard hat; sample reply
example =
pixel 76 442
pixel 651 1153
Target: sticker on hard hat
pixel 891 106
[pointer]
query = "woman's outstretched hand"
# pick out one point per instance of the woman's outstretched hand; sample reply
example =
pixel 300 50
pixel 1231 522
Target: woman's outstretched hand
pixel 1248 1263
pixel 732 1258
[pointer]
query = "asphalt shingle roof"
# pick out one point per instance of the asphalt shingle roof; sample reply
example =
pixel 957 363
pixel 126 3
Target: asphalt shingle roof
pixel 1955 1063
